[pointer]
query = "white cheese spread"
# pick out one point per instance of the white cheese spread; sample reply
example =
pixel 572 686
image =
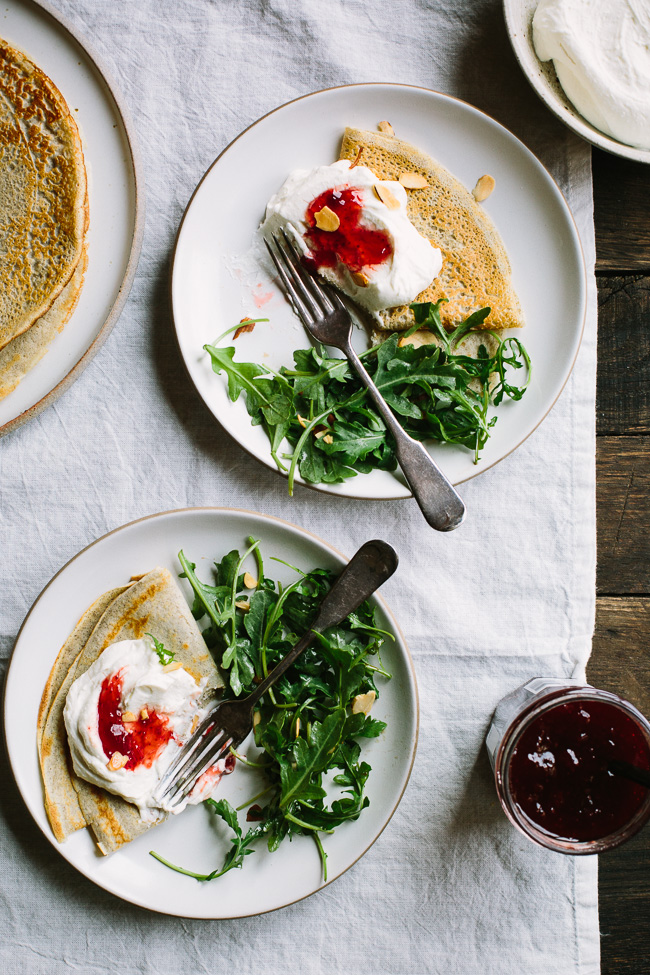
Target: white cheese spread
pixel 141 689
pixel 411 264
pixel 601 53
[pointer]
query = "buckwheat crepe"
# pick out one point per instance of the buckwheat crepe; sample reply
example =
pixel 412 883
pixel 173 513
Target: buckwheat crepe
pixel 476 270
pixel 153 604
pixel 43 211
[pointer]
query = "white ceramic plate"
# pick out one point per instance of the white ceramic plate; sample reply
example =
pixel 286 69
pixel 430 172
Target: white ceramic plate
pixel 213 287
pixel 115 201
pixel 267 881
pixel 541 74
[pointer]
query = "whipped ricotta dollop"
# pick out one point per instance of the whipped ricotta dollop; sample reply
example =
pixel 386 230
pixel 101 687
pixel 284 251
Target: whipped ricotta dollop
pixel 128 705
pixel 601 53
pixel 376 256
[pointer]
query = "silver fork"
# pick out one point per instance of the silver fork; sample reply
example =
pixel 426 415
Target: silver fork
pixel 326 318
pixel 229 722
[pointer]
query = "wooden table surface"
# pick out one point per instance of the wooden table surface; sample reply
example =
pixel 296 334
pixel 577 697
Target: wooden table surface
pixel 621 659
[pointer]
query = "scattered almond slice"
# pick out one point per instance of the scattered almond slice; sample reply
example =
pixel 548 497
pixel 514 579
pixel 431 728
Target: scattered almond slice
pixel 326 219
pixel 117 761
pixel 386 128
pixel 386 196
pixel 174 665
pixel 483 188
pixel 297 731
pixel 195 724
pixel 128 717
pixel 413 181
pixel 257 717
pixel 320 433
pixel 356 161
pixel 360 278
pixel 249 581
pixel 362 703
pixel 144 714
pixel 301 420
pixel 245 325
pixel 243 604
pixel 328 438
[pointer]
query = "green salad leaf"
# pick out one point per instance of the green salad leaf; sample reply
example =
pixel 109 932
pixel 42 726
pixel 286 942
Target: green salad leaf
pixel 324 412
pixel 307 728
pixel 164 655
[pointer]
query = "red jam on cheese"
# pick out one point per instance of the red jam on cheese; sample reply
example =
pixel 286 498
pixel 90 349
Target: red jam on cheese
pixel 142 740
pixel 353 245
pixel 559 775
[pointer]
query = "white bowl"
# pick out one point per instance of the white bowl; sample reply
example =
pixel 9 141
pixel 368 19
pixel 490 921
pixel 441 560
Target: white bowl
pixel 541 74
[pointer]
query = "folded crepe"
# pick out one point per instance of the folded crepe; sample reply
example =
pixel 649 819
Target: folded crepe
pixel 475 271
pixel 153 604
pixel 43 211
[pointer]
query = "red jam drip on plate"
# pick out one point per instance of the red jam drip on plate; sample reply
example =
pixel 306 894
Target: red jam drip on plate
pixel 352 245
pixel 142 740
pixel 558 771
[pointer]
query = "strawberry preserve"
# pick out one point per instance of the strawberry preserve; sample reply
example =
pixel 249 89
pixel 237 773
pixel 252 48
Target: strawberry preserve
pixel 551 744
pixel 351 244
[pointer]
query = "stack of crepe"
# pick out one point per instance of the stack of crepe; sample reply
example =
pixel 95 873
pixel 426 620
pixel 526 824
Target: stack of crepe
pixel 475 271
pixel 152 604
pixel 43 215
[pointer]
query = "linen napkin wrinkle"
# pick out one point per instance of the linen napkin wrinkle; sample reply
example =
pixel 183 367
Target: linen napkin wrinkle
pixel 449 887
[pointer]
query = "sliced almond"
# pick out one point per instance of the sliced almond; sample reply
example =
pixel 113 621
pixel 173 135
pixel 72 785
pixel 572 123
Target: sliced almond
pixel 144 714
pixel 249 581
pixel 320 433
pixel 386 128
pixel 243 604
pixel 359 278
pixel 297 731
pixel 483 188
pixel 301 420
pixel 386 196
pixel 257 717
pixel 413 181
pixel 326 219
pixel 174 665
pixel 195 724
pixel 358 157
pixel 362 703
pixel 245 325
pixel 328 438
pixel 117 761
pixel 128 717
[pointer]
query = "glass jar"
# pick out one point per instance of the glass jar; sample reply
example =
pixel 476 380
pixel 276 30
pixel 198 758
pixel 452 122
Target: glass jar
pixel 550 743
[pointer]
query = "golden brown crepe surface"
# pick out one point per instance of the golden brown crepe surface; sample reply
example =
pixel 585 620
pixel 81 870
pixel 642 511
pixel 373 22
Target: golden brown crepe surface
pixel 476 270
pixel 43 196
pixel 155 605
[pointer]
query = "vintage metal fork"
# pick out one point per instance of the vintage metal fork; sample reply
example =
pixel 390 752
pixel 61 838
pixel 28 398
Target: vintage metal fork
pixel 326 318
pixel 229 722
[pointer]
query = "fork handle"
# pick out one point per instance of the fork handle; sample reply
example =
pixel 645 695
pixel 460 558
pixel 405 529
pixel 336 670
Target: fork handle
pixel 439 501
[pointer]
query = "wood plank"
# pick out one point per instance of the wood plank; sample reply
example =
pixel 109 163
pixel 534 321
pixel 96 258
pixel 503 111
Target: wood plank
pixel 623 391
pixel 621 209
pixel 621 663
pixel 623 515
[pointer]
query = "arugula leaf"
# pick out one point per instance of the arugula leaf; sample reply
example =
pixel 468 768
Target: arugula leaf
pixel 321 410
pixel 164 655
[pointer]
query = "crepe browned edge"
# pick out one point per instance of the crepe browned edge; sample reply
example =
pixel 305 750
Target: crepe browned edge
pixel 475 271
pixel 61 802
pixel 23 352
pixel 155 605
pixel 43 193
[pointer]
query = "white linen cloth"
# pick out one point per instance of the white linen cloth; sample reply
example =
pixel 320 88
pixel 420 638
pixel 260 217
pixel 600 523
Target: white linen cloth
pixel 449 887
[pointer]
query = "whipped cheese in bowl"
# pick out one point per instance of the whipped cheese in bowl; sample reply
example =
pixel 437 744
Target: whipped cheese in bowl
pixel 601 53
pixel 353 228
pixel 126 718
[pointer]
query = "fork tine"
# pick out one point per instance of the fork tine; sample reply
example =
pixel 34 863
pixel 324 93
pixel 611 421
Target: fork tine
pixel 185 753
pixel 300 306
pixel 186 781
pixel 309 280
pixel 297 279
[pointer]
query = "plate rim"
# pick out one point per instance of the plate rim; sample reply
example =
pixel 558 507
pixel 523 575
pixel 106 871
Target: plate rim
pixel 567 114
pixel 64 24
pixel 407 493
pixel 226 510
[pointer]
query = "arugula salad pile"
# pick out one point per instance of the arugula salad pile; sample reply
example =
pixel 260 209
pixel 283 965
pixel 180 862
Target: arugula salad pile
pixel 323 411
pixel 307 725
